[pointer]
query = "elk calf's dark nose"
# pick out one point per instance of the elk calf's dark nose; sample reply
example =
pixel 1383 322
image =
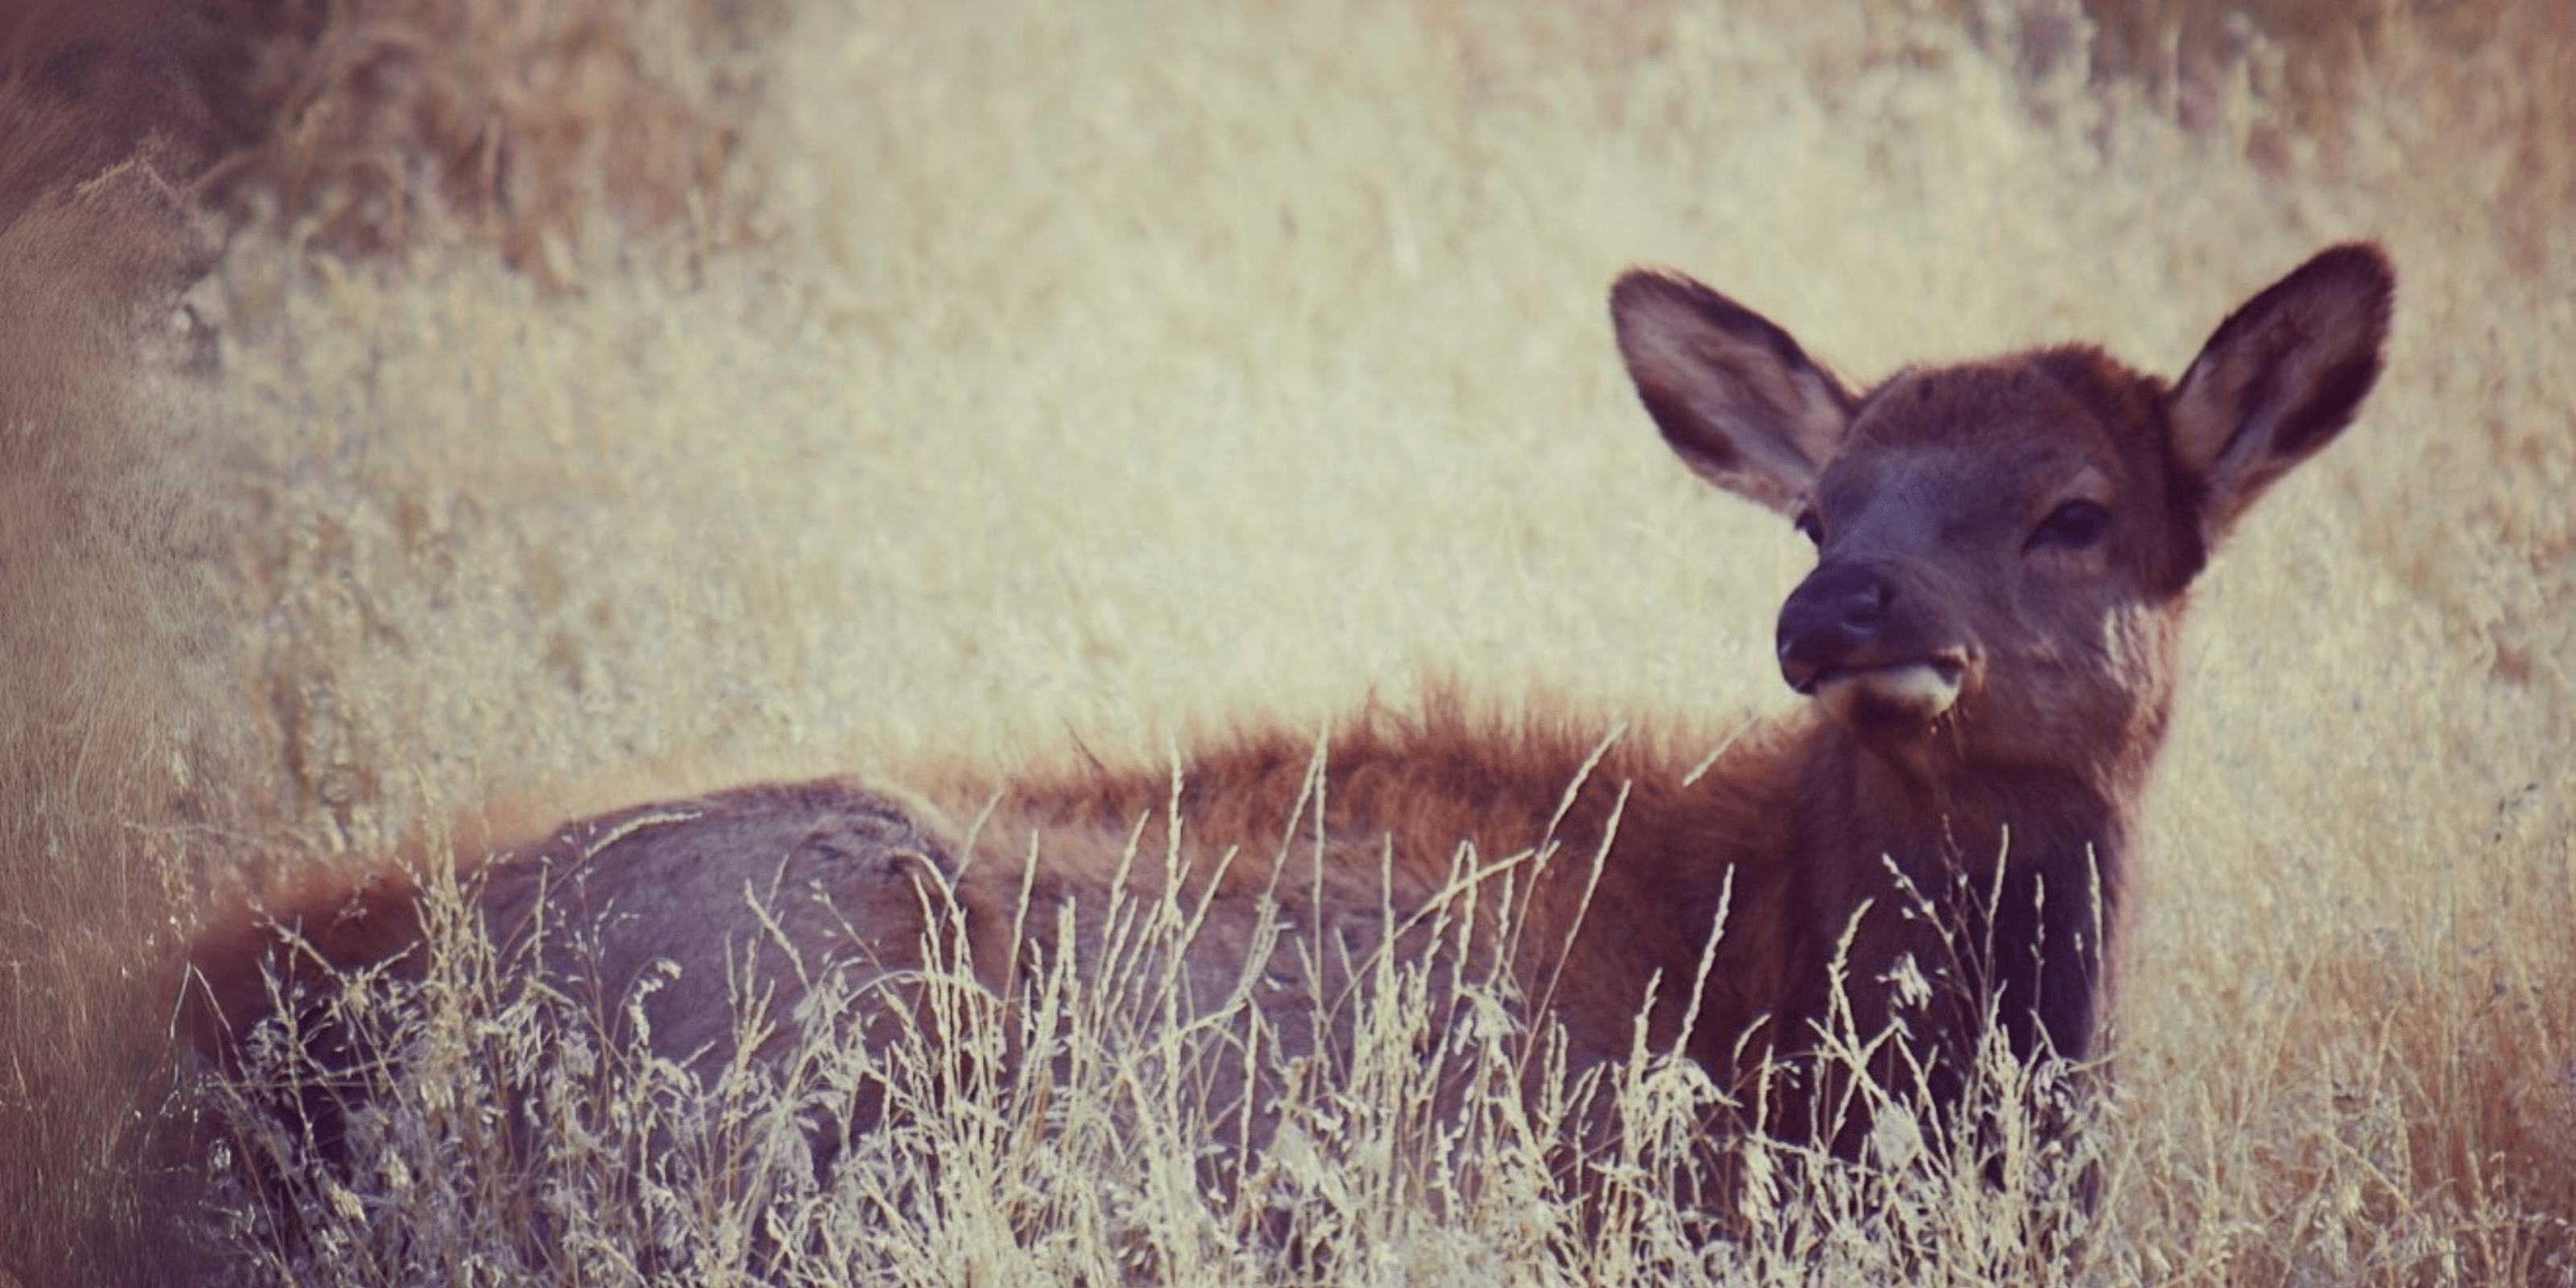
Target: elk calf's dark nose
pixel 1835 611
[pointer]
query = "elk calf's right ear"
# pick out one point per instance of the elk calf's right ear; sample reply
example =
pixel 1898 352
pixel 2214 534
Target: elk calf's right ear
pixel 2281 377
pixel 1734 395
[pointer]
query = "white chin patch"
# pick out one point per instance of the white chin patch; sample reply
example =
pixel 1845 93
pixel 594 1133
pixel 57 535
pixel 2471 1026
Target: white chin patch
pixel 1917 691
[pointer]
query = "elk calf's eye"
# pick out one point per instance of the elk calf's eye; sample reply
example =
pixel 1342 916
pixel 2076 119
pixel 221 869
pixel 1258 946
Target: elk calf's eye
pixel 2076 525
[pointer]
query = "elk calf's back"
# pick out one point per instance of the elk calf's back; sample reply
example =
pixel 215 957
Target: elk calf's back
pixel 2004 550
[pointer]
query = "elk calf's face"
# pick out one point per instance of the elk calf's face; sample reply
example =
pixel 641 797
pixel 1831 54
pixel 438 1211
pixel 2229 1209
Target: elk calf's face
pixel 2003 546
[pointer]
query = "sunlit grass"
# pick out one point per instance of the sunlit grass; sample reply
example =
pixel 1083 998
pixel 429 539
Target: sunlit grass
pixel 478 1115
pixel 949 387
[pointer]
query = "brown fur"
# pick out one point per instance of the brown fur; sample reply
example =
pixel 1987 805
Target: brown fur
pixel 2005 551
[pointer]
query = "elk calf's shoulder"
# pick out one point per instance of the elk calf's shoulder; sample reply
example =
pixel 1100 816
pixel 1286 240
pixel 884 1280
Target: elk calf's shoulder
pixel 1933 848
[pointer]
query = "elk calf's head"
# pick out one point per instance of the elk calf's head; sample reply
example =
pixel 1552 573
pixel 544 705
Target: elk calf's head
pixel 2003 546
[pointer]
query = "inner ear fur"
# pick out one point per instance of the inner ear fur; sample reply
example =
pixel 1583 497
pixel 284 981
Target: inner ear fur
pixel 2281 377
pixel 1734 395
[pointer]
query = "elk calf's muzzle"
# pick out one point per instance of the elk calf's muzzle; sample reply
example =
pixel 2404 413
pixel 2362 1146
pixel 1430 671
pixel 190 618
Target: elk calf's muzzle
pixel 1835 644
pixel 1835 613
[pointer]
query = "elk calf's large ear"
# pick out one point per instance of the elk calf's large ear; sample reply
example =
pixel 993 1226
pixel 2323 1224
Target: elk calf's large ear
pixel 2281 377
pixel 1736 397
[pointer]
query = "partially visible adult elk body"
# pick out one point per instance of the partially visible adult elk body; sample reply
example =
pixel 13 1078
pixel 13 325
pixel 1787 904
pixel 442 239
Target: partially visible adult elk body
pixel 1989 636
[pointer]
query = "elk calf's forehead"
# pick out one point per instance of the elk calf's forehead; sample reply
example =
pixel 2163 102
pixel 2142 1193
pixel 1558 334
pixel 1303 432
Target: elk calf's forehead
pixel 2009 408
pixel 1994 435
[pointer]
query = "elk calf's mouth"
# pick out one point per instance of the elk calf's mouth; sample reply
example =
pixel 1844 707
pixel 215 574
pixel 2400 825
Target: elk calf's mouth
pixel 1902 693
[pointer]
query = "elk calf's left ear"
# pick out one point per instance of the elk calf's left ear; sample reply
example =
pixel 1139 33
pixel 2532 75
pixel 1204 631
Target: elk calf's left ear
pixel 2281 377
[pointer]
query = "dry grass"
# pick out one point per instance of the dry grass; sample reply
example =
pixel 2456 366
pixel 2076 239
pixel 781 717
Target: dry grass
pixel 1419 1141
pixel 387 119
pixel 877 391
pixel 109 625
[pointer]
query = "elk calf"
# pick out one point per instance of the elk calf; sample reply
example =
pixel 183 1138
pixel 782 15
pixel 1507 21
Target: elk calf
pixel 2004 553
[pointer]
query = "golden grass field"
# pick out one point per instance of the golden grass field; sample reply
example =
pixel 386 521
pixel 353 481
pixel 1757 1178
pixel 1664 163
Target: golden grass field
pixel 573 402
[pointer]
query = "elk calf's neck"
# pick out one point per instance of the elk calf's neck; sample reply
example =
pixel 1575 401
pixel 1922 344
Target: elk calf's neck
pixel 1933 847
